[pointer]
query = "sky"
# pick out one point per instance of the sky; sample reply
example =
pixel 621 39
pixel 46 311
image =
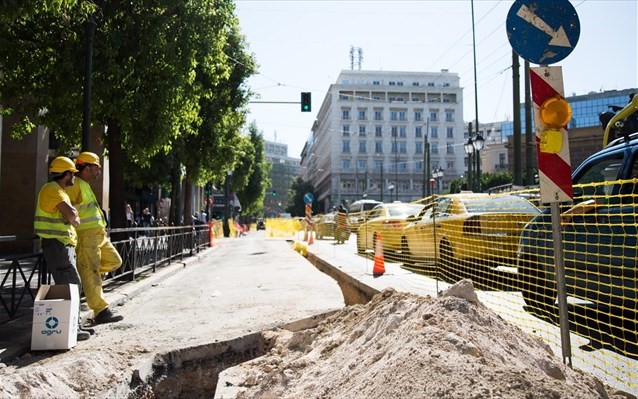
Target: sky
pixel 303 45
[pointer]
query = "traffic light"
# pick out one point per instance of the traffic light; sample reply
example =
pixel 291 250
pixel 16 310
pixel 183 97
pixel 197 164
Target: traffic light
pixel 305 102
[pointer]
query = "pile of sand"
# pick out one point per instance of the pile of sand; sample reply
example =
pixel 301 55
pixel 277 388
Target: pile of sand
pixel 402 345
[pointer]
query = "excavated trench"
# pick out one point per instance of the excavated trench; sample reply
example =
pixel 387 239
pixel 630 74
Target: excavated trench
pixel 194 372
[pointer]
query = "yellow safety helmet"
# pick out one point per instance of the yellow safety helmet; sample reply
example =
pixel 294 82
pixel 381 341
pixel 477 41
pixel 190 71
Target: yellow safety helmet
pixel 88 158
pixel 61 165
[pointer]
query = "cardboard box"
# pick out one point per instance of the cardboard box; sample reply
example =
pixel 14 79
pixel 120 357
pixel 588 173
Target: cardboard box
pixel 55 317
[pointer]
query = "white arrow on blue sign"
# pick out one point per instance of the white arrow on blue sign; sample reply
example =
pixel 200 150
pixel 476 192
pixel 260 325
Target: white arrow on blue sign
pixel 543 31
pixel 308 198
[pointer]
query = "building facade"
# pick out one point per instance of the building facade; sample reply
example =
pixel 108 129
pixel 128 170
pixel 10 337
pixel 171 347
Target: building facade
pixel 284 171
pixel 372 135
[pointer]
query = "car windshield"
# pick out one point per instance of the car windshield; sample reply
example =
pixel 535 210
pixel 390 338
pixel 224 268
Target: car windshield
pixel 504 204
pixel 405 210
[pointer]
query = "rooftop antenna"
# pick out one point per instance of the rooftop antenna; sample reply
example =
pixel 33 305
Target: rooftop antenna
pixel 351 57
pixel 360 51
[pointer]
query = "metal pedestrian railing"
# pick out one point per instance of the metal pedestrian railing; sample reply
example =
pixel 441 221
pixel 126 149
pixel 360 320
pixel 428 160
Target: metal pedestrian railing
pixel 143 250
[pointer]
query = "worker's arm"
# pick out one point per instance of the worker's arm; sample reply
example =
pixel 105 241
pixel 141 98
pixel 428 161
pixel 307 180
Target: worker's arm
pixel 69 213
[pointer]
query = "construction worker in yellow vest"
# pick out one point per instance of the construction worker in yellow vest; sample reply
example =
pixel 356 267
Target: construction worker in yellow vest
pixel 54 222
pixel 96 254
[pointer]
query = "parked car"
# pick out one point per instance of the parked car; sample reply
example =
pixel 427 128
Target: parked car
pixel 599 235
pixel 324 225
pixel 359 211
pixel 387 220
pixel 467 234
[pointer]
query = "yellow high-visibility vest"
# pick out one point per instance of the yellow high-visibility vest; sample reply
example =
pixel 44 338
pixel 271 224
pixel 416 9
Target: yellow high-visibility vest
pixel 89 210
pixel 53 225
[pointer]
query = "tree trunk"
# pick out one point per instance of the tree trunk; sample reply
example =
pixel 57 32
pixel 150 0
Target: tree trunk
pixel 175 194
pixel 117 199
pixel 188 201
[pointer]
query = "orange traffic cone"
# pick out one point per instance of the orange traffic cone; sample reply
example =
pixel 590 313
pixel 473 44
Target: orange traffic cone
pixel 378 268
pixel 310 239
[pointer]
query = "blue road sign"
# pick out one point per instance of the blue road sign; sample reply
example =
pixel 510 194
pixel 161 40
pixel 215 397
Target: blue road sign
pixel 543 31
pixel 308 198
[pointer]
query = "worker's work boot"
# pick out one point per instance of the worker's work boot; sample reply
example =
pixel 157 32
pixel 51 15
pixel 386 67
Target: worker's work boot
pixel 83 335
pixel 107 316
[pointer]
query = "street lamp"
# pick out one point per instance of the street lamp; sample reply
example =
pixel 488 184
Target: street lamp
pixel 391 188
pixel 479 144
pixel 437 174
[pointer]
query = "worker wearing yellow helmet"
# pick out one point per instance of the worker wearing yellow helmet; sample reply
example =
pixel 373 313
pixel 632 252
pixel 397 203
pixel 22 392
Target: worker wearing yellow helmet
pixel 96 254
pixel 55 222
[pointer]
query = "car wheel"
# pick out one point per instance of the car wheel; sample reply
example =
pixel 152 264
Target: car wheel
pixel 405 253
pixel 538 287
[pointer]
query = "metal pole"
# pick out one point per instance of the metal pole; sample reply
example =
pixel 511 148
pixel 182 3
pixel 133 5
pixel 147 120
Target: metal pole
pixel 396 167
pixel 563 316
pixel 382 185
pixel 517 118
pixel 529 134
pixel 426 160
pixel 89 28
pixel 478 155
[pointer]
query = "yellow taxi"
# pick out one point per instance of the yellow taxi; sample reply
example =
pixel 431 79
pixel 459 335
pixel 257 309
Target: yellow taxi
pixel 386 221
pixel 467 233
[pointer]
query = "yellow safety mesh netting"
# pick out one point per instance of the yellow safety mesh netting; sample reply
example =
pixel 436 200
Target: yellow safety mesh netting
pixel 505 243
pixel 284 227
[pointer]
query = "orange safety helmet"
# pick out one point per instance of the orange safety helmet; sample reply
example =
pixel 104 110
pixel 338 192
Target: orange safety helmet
pixel 88 158
pixel 61 165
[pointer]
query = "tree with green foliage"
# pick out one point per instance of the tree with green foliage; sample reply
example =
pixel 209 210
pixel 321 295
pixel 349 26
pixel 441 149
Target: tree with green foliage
pixel 155 65
pixel 297 207
pixel 252 194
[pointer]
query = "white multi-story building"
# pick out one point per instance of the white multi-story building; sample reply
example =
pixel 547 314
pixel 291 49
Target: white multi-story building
pixel 372 133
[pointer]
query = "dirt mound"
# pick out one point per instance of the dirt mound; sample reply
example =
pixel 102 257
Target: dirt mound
pixel 402 345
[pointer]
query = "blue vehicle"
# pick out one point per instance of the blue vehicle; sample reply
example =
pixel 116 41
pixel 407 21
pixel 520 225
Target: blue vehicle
pixel 600 236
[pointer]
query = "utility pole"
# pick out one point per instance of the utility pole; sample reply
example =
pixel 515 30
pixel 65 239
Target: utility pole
pixel 516 81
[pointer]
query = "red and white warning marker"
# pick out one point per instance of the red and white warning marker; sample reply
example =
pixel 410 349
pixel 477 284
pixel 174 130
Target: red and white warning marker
pixel 552 113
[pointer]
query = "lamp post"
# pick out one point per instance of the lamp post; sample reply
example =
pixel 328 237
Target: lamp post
pixel 479 144
pixel 426 160
pixel 226 228
pixel 473 149
pixel 437 175
pixel 381 186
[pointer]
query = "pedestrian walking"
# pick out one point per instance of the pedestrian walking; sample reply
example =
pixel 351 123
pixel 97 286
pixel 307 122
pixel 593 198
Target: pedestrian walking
pixel 55 222
pixel 96 254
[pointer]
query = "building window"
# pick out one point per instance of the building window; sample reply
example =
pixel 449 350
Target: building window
pixel 362 130
pixel 434 132
pixel 450 132
pixel 345 130
pixel 415 83
pixel 378 147
pixel 403 147
pixel 394 116
pixel 450 149
pixel 434 116
pixel 378 115
pixel 418 131
pixel 449 116
pixel 419 147
pixel 419 165
pixel 362 164
pixel 345 114
pixel 362 147
pixel 402 116
pixel 376 83
pixel 378 131
pixel 391 83
pixel 345 164
pixel 403 132
pixel 434 148
pixel 399 83
pixel 345 146
pixel 394 131
pixel 394 147
pixel 501 161
pixel 378 165
pixel 430 84
pixel 403 167
pixel 418 116
pixel 362 115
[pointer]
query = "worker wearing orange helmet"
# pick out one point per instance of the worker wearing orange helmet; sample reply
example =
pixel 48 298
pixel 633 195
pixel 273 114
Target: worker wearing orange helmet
pixel 54 222
pixel 96 254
